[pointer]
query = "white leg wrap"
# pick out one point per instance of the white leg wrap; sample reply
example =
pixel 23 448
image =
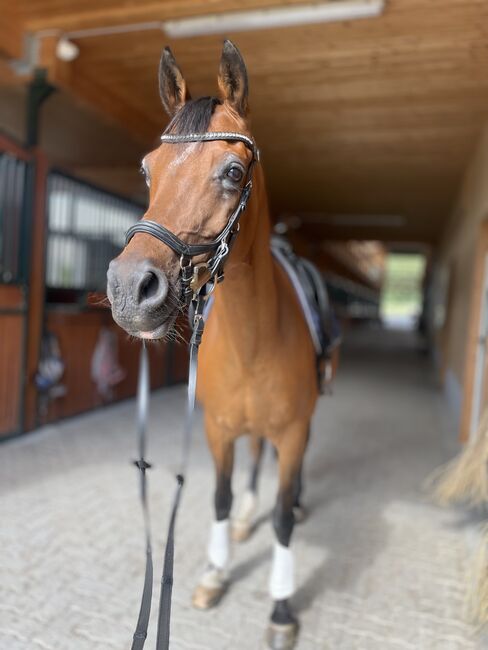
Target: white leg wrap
pixel 281 582
pixel 219 544
pixel 247 508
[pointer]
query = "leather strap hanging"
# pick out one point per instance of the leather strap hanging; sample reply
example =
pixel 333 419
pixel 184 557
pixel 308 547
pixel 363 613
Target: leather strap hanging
pixel 164 617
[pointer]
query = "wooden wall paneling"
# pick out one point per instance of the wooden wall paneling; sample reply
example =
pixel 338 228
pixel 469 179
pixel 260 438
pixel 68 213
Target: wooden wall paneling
pixel 13 330
pixel 11 347
pixel 179 355
pixel 179 363
pixel 128 351
pixel 474 317
pixel 78 333
pixel 11 32
pixel 11 297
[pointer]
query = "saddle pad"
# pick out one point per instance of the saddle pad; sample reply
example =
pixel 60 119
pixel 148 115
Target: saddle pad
pixel 312 294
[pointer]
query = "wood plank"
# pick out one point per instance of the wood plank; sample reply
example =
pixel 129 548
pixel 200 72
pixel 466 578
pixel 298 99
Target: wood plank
pixel 11 31
pixel 474 317
pixel 364 104
pixel 88 90
pixel 70 15
pixel 11 297
pixel 11 343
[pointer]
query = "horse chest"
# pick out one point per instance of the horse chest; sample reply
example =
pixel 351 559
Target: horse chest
pixel 250 402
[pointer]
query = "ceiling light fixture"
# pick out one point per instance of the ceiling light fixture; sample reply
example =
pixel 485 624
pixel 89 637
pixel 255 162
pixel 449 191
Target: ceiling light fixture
pixel 288 16
pixel 66 50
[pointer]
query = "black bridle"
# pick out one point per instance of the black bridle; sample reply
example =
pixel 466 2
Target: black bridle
pixel 195 276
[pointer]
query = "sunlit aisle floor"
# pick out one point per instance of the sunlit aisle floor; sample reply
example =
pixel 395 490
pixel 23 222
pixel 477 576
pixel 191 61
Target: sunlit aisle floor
pixel 378 567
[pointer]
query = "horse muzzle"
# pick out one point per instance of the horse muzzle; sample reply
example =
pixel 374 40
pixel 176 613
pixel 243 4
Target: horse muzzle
pixel 139 294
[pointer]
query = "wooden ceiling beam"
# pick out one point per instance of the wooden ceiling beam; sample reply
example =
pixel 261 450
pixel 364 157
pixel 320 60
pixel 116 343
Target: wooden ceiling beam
pixel 380 116
pixel 11 32
pixel 74 16
pixel 325 232
pixel 88 90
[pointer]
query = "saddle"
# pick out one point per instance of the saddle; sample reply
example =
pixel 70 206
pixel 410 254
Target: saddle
pixel 312 294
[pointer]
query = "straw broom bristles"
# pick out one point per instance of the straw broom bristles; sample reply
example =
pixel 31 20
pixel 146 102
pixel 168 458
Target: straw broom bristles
pixel 465 478
pixel 477 603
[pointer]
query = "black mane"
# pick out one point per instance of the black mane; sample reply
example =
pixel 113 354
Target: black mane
pixel 193 117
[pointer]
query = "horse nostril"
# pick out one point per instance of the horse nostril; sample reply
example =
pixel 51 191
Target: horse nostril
pixel 152 289
pixel 149 286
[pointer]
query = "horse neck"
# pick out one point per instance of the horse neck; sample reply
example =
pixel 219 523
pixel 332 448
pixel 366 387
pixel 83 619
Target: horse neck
pixel 246 303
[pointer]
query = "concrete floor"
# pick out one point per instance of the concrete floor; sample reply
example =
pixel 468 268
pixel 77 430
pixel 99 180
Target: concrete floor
pixel 378 567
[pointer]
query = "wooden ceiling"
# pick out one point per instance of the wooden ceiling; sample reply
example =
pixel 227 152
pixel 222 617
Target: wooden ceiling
pixel 370 118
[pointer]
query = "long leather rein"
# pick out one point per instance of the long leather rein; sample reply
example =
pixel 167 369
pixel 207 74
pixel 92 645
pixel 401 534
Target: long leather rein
pixel 194 279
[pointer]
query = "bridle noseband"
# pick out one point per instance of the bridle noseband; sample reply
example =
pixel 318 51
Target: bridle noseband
pixel 195 276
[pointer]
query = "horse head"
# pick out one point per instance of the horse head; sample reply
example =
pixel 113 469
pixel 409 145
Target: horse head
pixel 194 188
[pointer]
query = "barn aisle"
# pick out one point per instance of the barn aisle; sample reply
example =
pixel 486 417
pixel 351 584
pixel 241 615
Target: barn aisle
pixel 378 567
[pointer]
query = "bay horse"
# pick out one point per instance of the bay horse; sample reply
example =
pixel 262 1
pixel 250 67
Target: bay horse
pixel 257 372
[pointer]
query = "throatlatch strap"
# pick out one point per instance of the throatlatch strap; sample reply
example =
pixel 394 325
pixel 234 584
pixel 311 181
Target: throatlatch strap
pixel 164 617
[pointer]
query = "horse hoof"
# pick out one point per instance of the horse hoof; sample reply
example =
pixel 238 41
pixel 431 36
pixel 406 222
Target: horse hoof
pixel 240 531
pixel 281 636
pixel 211 588
pixel 207 597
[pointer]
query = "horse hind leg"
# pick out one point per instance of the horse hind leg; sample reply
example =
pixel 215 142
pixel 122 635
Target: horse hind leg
pixel 214 581
pixel 242 523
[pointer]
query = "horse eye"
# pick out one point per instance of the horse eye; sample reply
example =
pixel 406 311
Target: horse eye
pixel 235 174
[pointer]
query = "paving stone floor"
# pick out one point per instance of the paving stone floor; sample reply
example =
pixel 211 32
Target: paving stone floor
pixel 378 567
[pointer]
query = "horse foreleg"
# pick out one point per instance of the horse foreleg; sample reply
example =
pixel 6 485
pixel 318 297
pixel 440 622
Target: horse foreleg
pixel 283 627
pixel 248 503
pixel 214 580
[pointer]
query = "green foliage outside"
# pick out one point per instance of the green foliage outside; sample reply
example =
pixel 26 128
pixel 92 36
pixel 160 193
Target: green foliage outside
pixel 402 289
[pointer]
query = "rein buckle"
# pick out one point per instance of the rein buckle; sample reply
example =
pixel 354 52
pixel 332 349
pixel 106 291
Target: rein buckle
pixel 201 275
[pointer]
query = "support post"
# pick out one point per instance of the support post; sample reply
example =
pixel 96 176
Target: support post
pixel 35 229
pixel 39 90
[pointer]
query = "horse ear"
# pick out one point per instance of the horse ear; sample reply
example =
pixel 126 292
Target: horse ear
pixel 172 87
pixel 233 78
